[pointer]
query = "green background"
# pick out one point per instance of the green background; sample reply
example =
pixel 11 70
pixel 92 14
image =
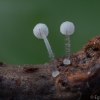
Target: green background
pixel 18 45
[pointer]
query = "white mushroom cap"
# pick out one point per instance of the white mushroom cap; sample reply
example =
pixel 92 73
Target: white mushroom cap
pixel 43 28
pixel 67 28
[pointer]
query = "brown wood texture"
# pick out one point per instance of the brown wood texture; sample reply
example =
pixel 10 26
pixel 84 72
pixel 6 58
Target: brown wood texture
pixel 78 81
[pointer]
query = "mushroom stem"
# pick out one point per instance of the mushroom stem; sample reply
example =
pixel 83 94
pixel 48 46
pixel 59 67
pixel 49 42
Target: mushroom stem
pixel 67 47
pixel 54 69
pixel 51 55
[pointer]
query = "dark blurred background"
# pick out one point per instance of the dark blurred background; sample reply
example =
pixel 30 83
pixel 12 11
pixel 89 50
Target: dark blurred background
pixel 18 45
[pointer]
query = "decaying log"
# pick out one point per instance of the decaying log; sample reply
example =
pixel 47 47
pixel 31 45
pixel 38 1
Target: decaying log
pixel 78 81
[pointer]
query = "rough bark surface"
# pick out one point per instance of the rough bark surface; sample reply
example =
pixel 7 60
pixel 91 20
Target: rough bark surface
pixel 78 81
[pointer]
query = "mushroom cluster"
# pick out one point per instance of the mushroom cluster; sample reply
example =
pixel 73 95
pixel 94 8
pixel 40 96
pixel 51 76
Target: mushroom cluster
pixel 41 32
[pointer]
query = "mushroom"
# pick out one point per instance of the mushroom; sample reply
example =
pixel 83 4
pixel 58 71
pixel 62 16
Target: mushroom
pixel 41 31
pixel 67 28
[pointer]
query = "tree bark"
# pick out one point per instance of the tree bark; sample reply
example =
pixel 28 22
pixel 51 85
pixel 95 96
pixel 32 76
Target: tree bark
pixel 78 81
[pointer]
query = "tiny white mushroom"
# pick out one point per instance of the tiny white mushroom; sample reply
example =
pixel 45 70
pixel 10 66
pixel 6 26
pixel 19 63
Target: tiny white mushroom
pixel 41 31
pixel 67 28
